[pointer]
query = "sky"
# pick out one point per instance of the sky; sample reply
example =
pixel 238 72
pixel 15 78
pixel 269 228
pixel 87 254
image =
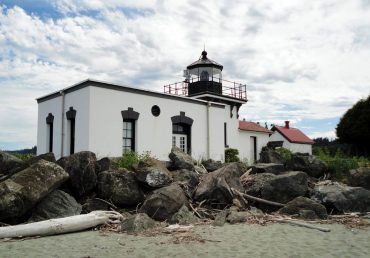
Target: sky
pixel 302 61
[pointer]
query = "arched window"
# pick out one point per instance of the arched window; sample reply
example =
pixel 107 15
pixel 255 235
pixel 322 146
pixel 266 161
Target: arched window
pixel 71 117
pixel 50 125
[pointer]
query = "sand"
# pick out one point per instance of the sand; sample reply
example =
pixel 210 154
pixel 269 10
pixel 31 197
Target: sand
pixel 241 240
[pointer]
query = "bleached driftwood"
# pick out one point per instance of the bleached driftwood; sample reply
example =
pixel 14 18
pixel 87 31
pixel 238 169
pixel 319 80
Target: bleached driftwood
pixel 61 225
pixel 250 197
pixel 302 224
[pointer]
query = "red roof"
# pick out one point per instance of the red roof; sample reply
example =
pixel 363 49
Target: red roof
pixel 293 134
pixel 251 126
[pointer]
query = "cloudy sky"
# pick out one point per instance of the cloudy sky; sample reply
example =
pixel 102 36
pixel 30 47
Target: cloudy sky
pixel 303 61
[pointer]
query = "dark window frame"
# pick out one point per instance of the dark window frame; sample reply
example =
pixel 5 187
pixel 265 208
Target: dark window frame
pixel 133 134
pixel 186 123
pixel 50 123
pixel 130 116
pixel 71 117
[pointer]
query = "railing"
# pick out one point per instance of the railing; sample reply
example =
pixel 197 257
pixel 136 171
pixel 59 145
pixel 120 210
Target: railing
pixel 229 88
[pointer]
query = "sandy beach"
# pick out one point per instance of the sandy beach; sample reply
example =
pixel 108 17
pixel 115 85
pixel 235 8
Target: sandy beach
pixel 241 240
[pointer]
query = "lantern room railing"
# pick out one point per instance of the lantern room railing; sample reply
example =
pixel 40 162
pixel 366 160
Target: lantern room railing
pixel 229 88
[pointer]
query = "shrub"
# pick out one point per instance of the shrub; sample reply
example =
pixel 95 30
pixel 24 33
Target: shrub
pixel 22 156
pixel 231 155
pixel 130 158
pixel 285 153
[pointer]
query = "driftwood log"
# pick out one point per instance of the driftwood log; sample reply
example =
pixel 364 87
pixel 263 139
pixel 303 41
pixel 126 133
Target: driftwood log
pixel 61 225
pixel 256 199
pixel 301 224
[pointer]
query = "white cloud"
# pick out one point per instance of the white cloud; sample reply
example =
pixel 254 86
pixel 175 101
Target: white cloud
pixel 300 59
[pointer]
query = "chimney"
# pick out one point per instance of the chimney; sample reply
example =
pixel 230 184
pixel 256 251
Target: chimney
pixel 287 124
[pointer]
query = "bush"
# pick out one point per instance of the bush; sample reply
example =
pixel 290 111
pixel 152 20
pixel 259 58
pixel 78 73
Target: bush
pixel 130 158
pixel 231 155
pixel 285 153
pixel 23 157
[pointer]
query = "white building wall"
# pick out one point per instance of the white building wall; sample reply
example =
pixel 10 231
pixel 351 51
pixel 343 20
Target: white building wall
pixel 79 100
pixel 293 147
pixel 153 134
pixel 245 144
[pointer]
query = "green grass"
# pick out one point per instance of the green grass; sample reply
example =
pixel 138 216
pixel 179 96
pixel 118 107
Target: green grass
pixel 131 158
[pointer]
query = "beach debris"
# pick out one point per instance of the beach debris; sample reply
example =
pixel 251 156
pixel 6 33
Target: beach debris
pixel 81 168
pixel 61 225
pixel 57 204
pixel 215 186
pixel 22 191
pixel 302 205
pixel 120 187
pixel 220 218
pixel 256 199
pixel 341 197
pixel 164 202
pixel 301 224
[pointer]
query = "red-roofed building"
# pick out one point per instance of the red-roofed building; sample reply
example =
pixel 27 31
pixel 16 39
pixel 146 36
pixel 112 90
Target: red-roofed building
pixel 291 138
pixel 254 137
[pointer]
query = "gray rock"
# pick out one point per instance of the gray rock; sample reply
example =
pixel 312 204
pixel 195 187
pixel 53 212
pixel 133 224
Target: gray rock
pixel 22 191
pixel 57 204
pixel 107 163
pixel 81 168
pixel 271 156
pixel 120 187
pixel 46 156
pixel 312 165
pixel 200 170
pixel 183 217
pixel 138 222
pixel 153 173
pixel 343 198
pixel 10 164
pixel 359 177
pixel 210 165
pixel 301 205
pixel 185 175
pixel 220 218
pixel 95 204
pixel 164 202
pixel 215 186
pixel 242 216
pixel 273 168
pixel 181 160
pixel 279 188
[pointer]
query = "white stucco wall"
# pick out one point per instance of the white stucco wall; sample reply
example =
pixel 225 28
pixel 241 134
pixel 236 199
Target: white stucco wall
pixel 293 147
pixel 245 144
pixel 80 101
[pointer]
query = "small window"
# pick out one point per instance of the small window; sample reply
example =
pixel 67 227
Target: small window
pixel 156 110
pixel 128 136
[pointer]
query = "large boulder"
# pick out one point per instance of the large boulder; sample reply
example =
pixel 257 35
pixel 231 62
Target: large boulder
pixel 279 188
pixel 107 163
pixel 359 177
pixel 120 187
pixel 96 204
pixel 189 177
pixel 210 165
pixel 340 197
pixel 181 160
pixel 301 204
pixel 46 156
pixel 22 191
pixel 215 186
pixel 164 202
pixel 271 156
pixel 138 222
pixel 273 168
pixel 243 216
pixel 312 165
pixel 57 204
pixel 81 168
pixel 10 164
pixel 153 173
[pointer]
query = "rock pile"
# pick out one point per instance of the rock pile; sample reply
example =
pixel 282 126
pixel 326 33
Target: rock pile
pixel 178 191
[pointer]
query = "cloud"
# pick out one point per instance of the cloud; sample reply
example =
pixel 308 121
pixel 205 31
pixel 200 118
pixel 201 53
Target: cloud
pixel 300 60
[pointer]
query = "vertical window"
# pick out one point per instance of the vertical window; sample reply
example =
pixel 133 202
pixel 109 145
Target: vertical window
pixel 128 136
pixel 50 122
pixel 182 143
pixel 71 117
pixel 225 135
pixel 173 141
